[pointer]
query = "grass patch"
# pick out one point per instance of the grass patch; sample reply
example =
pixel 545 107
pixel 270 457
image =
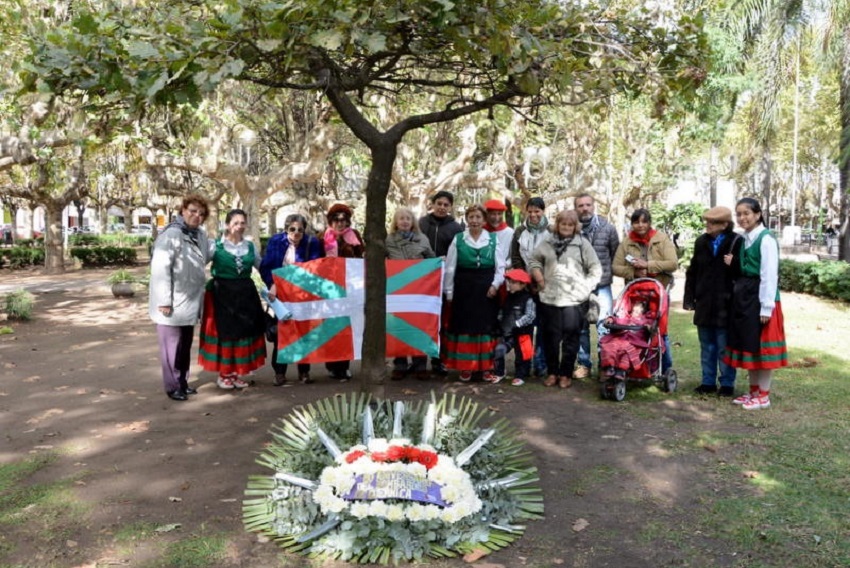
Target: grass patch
pixel 45 512
pixel 786 501
pixel 193 552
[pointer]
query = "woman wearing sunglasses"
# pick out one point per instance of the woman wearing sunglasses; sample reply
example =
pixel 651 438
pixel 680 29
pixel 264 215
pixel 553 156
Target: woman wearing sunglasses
pixel 290 246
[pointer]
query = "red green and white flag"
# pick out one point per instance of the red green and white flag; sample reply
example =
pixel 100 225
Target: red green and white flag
pixel 327 298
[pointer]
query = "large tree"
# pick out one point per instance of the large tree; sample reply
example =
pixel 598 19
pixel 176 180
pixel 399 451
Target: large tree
pixel 463 56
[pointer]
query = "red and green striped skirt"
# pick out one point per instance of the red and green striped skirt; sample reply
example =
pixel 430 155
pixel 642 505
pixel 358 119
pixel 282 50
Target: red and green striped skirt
pixel 467 352
pixel 772 352
pixel 227 356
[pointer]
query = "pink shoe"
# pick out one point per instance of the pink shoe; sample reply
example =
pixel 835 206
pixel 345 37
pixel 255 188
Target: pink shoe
pixel 239 383
pixel 756 402
pixel 466 376
pixel 743 399
pixel 491 377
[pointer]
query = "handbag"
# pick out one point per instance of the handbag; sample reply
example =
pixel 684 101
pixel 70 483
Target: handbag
pixel 271 327
pixel 590 309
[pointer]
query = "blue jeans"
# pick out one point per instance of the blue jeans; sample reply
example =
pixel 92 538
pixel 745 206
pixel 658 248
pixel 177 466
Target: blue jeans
pixel 712 342
pixel 606 303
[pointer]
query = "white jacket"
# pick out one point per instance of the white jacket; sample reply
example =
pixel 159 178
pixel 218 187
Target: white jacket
pixel 178 276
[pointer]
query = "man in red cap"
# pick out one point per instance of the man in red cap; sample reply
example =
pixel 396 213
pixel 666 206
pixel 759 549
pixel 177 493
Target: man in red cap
pixel 496 224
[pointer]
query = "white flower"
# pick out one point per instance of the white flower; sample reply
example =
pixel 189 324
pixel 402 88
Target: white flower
pixel 378 508
pixel 395 512
pixel 360 509
pixel 378 445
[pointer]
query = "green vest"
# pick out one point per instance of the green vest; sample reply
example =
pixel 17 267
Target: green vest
pixel 468 257
pixel 751 258
pixel 229 266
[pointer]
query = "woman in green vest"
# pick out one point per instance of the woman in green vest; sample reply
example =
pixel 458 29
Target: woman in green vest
pixel 475 268
pixel 756 337
pixel 233 326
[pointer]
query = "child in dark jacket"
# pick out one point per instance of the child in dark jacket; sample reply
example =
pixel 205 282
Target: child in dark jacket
pixel 516 325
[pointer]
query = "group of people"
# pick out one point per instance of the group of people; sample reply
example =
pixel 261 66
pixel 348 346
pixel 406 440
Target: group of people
pixel 534 291
pixel 234 323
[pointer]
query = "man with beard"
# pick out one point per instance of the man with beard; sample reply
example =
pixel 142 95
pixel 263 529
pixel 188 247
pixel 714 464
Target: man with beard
pixel 603 236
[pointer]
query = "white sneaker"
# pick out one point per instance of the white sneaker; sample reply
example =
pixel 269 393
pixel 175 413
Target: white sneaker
pixel 756 402
pixel 225 383
pixel 239 383
pixel 743 399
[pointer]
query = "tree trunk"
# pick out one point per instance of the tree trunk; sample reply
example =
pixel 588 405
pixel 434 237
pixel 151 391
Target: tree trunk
pixel 844 150
pixel 54 249
pixel 373 364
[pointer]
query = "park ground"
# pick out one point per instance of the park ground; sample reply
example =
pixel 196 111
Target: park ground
pixel 99 468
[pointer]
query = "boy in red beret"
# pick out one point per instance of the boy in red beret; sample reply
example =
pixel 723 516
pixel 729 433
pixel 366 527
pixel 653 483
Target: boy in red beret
pixel 516 325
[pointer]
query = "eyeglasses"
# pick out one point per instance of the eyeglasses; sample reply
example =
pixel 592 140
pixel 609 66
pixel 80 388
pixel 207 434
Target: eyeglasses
pixel 295 229
pixel 339 219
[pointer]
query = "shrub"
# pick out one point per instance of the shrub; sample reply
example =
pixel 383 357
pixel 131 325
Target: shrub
pixel 20 257
pixel 828 279
pixel 19 305
pixel 84 240
pixel 104 256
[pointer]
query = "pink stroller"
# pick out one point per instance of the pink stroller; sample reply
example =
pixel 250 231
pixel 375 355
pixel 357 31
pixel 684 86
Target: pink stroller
pixel 633 347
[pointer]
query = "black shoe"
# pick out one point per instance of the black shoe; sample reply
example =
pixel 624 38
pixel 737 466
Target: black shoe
pixel 177 395
pixel 279 380
pixel 726 391
pixel 706 389
pixel 190 390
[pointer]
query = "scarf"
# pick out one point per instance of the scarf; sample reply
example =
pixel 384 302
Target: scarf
pixel 331 239
pixel 589 227
pixel 500 227
pixel 406 235
pixel 539 227
pixel 560 243
pixel 180 223
pixel 642 240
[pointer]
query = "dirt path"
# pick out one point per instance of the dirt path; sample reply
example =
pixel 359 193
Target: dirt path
pixel 622 483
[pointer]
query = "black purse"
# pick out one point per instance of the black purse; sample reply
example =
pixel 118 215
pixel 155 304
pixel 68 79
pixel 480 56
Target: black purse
pixel 271 327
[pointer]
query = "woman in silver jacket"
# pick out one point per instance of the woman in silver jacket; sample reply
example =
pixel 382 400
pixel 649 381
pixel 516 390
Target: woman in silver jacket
pixel 566 270
pixel 179 256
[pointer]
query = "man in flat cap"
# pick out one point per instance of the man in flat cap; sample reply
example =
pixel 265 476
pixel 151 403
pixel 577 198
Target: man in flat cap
pixel 708 291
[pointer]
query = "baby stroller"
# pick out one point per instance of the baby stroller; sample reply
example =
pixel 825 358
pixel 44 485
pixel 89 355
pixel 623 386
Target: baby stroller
pixel 633 347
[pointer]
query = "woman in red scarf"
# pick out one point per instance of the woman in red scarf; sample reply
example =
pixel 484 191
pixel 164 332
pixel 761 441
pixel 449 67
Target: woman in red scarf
pixel 647 253
pixel 341 240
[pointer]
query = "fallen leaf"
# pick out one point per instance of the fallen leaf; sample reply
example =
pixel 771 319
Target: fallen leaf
pixel 494 409
pixel 175 499
pixel 252 420
pixel 137 426
pixel 167 528
pixel 475 555
pixel 190 441
pixel 408 391
pixel 580 524
pixel 751 474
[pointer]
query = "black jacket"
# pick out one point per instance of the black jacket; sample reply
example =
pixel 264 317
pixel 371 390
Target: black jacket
pixel 439 232
pixel 708 280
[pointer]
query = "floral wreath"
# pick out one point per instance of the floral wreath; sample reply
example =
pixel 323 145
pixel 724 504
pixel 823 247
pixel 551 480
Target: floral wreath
pixel 460 488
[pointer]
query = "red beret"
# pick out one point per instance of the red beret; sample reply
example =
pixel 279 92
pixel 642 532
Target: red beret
pixel 339 208
pixel 495 205
pixel 518 275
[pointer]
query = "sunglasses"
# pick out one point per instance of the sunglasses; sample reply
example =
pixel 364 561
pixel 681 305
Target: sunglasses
pixel 340 218
pixel 295 229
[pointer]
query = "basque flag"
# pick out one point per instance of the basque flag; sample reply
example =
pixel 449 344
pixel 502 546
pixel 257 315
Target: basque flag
pixel 327 299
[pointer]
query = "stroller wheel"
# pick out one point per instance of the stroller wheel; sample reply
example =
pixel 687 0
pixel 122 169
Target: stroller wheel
pixel 619 393
pixel 671 380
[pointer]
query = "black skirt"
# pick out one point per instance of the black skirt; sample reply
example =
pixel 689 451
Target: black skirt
pixel 472 311
pixel 238 311
pixel 745 323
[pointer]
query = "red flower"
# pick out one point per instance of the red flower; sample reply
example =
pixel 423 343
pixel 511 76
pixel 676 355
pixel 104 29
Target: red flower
pixel 396 453
pixel 379 456
pixel 428 459
pixel 354 456
pixel 413 454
